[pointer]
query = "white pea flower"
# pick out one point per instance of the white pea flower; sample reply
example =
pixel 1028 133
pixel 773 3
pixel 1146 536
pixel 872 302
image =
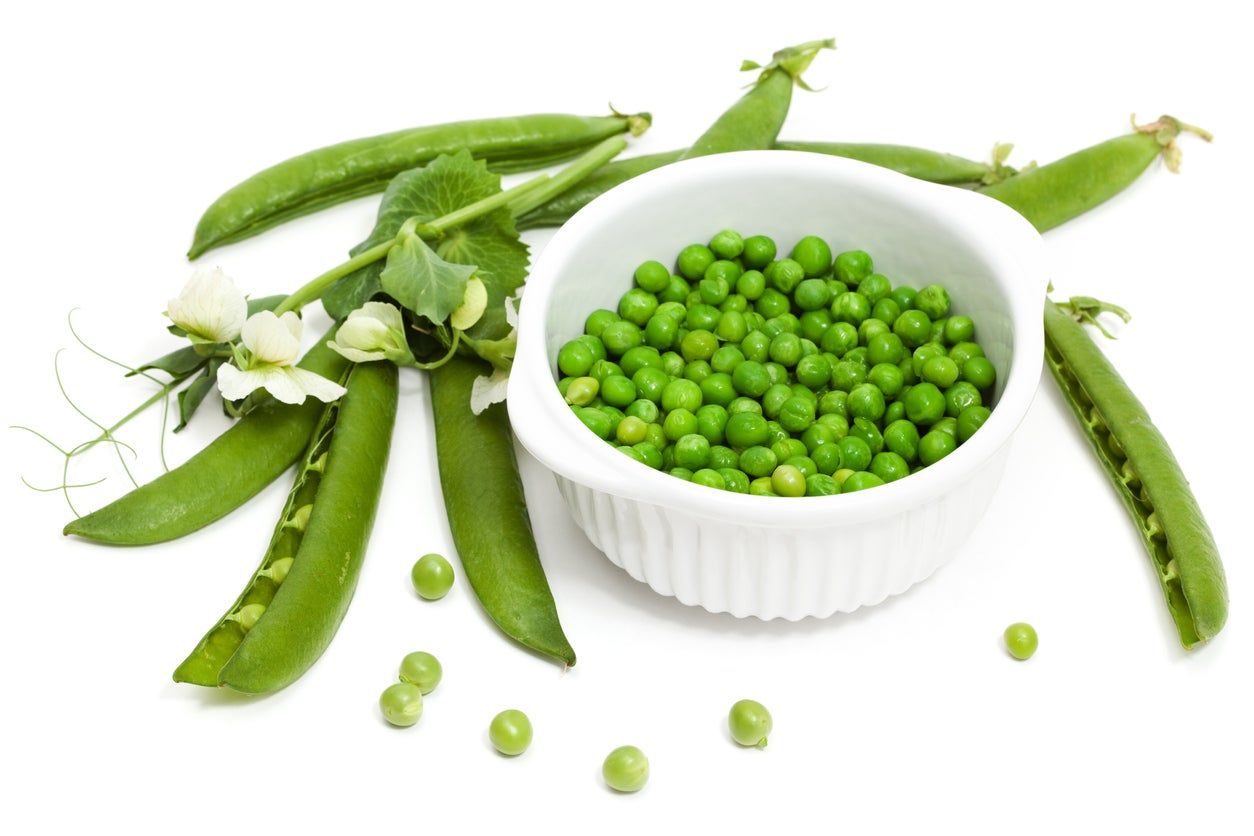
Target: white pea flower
pixel 489 389
pixel 375 331
pixel 210 308
pixel 271 345
pixel 474 303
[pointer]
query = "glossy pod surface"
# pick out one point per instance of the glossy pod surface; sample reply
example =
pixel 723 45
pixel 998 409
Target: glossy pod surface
pixel 327 176
pixel 231 470
pixel 1146 476
pixel 310 603
pixel 487 513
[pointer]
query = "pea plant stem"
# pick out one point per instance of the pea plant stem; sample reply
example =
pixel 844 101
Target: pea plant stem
pixel 519 199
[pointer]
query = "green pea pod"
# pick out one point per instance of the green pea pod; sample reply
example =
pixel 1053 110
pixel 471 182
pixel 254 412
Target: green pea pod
pixel 327 176
pixel 1146 476
pixel 231 470
pixel 487 513
pixel 754 121
pixel 920 163
pixel 1064 189
pixel 291 609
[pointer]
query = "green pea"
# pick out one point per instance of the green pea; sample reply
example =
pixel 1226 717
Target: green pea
pixel 656 436
pixel 933 300
pixel 821 484
pixel 834 402
pixel 697 371
pixel 636 306
pixel 855 453
pixel 421 669
pixel 743 404
pixel 692 451
pixel 432 576
pixel 851 307
pixel 751 284
pixel 709 478
pixel 852 266
pixel 796 414
pixel 979 372
pixel 964 351
pixel 970 420
pixel 938 330
pixel 724 272
pixel 866 401
pixel 718 389
pixel 617 390
pixel 895 411
pixel 602 369
pixel 595 324
pixel 814 256
pixel 934 446
pixel 401 704
pixel 582 391
pixel 723 458
pixel 698 345
pixel 510 732
pixel 924 353
pixel 650 383
pixel 803 463
pixel 847 374
pixel 745 429
pixel 750 379
pixel 247 616
pixel 885 310
pixel 866 430
pixel 693 261
pixel 940 370
pixel 758 252
pixel 826 458
pixel 914 327
pixel 678 423
pixel 889 466
pixel 660 331
pixel 758 461
pixel 817 434
pixel 903 296
pixel 837 423
pixel 652 276
pixel 727 244
pixel 749 723
pixel 681 394
pixel 620 336
pixel 643 409
pixel 626 769
pixel 712 422
pixel 813 371
pixel 734 480
pixel 631 430
pixel 676 291
pixel 762 487
pixel 860 481
pixel 726 359
pixel 875 288
pixel 575 359
pixel 732 327
pixel 959 329
pixel 885 347
pixel 786 349
pixel 1021 640
pixel 902 437
pixel 785 275
pixel 681 473
pixel 960 396
pixel 925 405
pixel 787 480
pixel 814 324
pixel 772 303
pixel 887 378
pixel 840 338
pixel 812 295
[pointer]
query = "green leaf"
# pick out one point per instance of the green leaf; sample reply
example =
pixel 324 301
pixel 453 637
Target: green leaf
pixel 422 281
pixel 265 303
pixel 491 243
pixel 193 396
pixel 178 364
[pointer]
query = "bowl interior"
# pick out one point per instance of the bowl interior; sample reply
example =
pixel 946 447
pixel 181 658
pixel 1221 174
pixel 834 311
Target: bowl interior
pixel 910 241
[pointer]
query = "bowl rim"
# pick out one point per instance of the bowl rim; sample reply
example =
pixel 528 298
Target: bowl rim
pixel 552 433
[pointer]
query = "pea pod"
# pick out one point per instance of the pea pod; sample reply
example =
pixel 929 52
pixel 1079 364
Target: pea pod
pixel 292 607
pixel 1056 193
pixel 487 513
pixel 327 176
pixel 231 470
pixel 1146 476
pixel 921 163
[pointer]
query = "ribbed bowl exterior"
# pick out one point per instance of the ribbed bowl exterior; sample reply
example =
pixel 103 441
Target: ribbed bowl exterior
pixel 773 573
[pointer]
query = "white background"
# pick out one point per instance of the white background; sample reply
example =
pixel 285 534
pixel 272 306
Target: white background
pixel 124 121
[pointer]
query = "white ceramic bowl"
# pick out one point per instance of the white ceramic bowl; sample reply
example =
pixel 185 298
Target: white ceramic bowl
pixel 764 556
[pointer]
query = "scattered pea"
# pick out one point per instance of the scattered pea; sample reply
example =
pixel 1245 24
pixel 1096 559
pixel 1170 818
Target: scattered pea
pixel 510 732
pixel 1021 640
pixel 626 769
pixel 750 723
pixel 432 576
pixel 401 704
pixel 421 669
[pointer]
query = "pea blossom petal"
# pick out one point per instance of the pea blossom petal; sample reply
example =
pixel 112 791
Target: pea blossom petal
pixel 288 384
pixel 210 308
pixel 375 331
pixel 272 339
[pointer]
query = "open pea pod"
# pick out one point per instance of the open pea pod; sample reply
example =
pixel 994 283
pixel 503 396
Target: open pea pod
pixel 1146 476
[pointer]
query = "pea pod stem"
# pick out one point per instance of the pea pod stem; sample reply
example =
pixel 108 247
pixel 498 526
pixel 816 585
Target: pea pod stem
pixel 1146 476
pixel 546 186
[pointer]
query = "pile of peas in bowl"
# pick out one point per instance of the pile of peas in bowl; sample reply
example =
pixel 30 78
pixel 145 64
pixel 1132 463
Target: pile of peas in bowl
pixel 809 375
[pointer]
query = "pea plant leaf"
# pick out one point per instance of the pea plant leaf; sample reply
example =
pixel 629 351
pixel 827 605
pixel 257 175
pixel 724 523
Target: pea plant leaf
pixel 422 281
pixel 490 243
